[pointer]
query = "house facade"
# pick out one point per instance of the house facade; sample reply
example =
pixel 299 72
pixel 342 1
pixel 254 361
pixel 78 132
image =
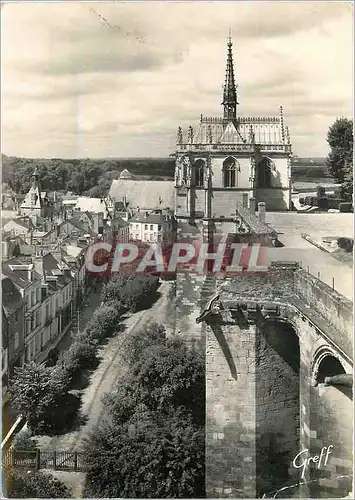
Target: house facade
pixel 152 227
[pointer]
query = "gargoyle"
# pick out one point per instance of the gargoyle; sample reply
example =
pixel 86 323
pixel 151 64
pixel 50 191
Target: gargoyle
pixel 213 308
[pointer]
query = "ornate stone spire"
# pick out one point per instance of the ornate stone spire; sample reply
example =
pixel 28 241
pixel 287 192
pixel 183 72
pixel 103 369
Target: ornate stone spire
pixel 230 100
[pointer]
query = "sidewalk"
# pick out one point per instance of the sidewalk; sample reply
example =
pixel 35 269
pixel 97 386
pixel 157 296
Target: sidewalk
pixel 90 303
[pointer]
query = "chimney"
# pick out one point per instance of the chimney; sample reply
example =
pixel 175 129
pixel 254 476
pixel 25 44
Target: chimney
pixel 252 205
pixel 5 249
pixel 261 211
pixel 30 272
pixel 146 215
pixel 245 200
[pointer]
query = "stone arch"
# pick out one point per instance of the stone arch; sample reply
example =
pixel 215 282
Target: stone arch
pixel 199 168
pixel 326 362
pixel 230 169
pixel 263 172
pixel 330 411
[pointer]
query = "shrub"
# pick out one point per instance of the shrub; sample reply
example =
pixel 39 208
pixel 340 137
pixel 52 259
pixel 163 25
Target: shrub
pixel 346 244
pixel 87 337
pixel 345 207
pixel 105 320
pixel 320 191
pixel 79 356
pixel 52 357
pixel 134 292
pixel 34 484
pixel 302 201
pixel 322 203
pixel 334 203
pixel 23 441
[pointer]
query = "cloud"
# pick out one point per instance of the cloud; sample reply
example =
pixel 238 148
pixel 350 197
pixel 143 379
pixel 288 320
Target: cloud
pixel 117 79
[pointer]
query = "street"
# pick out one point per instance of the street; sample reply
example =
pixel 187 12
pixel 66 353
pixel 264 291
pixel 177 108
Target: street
pixel 105 377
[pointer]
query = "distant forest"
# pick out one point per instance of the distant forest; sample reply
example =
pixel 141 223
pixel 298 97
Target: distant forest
pixel 93 177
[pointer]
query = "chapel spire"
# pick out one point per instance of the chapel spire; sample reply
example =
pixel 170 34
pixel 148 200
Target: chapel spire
pixel 230 100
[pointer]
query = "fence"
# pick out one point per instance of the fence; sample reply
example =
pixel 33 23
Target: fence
pixel 56 460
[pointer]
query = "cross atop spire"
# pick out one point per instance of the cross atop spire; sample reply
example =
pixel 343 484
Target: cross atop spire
pixel 230 100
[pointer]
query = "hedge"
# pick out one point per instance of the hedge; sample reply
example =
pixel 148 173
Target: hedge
pixel 345 207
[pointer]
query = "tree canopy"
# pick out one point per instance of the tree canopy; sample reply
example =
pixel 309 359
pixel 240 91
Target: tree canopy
pixel 340 159
pixel 92 177
pixel 152 443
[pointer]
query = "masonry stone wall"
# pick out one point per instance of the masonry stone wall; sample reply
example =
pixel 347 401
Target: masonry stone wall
pixel 261 404
pixel 277 406
pixel 325 419
pixel 230 412
pixel 224 202
pixel 334 307
pixel 275 199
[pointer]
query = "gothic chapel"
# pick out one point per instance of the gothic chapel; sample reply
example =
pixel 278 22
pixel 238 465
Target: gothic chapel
pixel 231 159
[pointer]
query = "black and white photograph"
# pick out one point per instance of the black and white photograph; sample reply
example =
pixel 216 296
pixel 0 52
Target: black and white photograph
pixel 177 249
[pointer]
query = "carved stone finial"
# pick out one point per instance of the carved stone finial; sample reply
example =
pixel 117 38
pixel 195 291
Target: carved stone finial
pixel 209 134
pixel 190 135
pixel 251 135
pixel 179 135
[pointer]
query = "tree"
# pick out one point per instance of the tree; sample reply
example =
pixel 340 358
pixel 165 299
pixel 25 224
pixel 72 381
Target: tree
pixel 152 443
pixel 164 376
pixel 105 320
pixel 152 456
pixel 135 292
pixel 134 345
pixel 34 484
pixel 23 441
pixel 32 391
pixel 340 158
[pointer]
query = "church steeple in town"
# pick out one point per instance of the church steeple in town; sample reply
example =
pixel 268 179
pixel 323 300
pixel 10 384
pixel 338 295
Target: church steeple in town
pixel 35 178
pixel 230 100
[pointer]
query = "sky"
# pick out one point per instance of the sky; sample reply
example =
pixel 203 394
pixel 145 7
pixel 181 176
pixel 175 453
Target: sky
pixel 116 79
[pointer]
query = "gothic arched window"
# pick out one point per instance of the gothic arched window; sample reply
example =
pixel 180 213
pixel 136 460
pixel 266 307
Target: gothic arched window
pixel 263 173
pixel 230 169
pixel 199 168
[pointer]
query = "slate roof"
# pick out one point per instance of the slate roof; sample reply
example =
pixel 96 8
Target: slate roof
pixel 17 276
pixel 51 267
pixel 143 194
pixel 148 219
pixel 11 297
